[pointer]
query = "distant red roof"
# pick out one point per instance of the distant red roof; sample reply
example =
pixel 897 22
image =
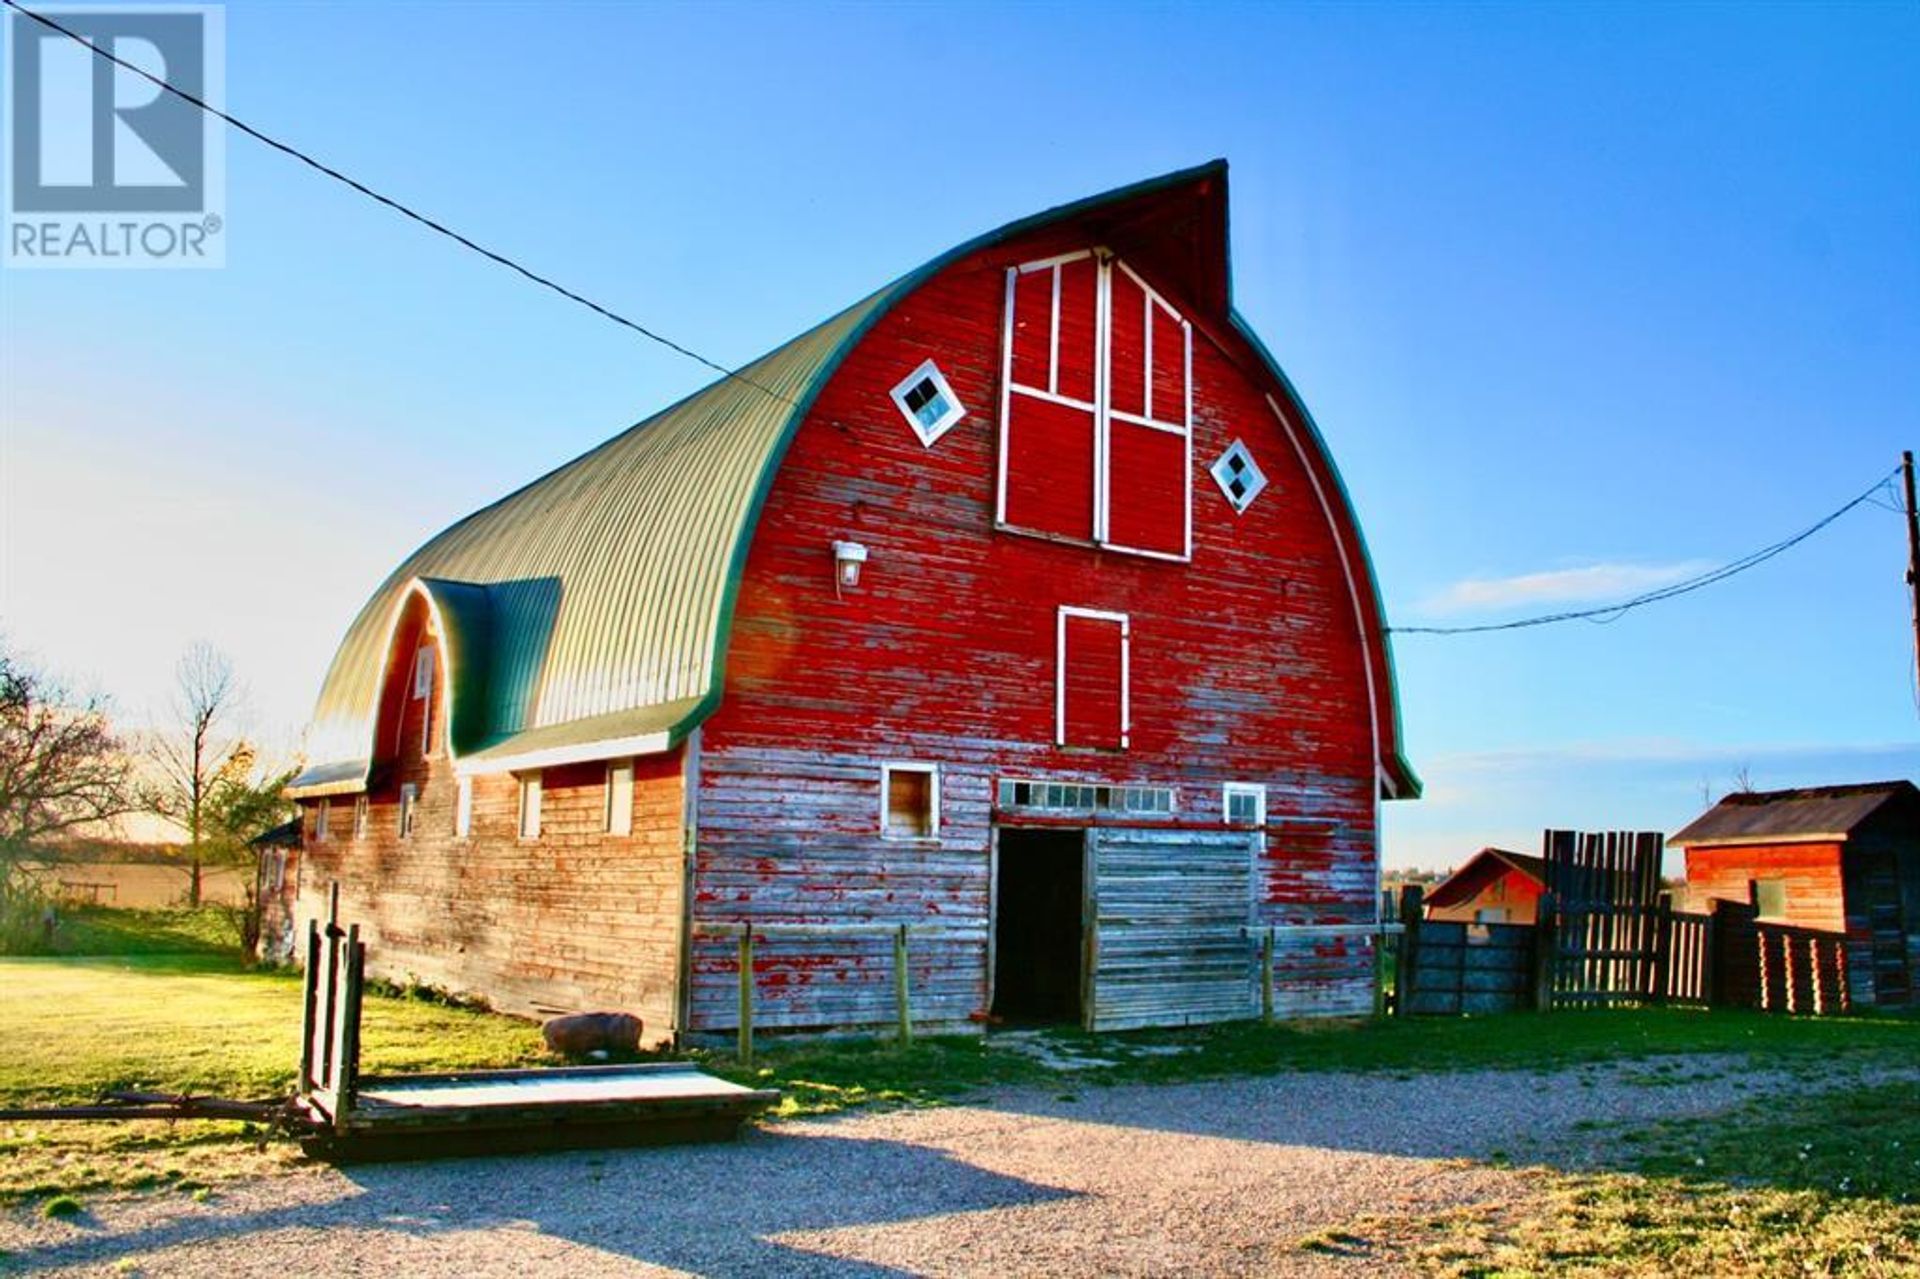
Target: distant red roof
pixel 1482 868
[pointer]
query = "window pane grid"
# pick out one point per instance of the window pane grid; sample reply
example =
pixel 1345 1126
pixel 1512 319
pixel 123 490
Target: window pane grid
pixel 1085 797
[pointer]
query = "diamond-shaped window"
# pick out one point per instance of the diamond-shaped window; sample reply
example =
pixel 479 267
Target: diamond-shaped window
pixel 928 403
pixel 1239 476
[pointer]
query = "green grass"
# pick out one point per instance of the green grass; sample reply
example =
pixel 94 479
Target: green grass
pixel 187 1021
pixel 826 1075
pixel 103 930
pixel 1822 1184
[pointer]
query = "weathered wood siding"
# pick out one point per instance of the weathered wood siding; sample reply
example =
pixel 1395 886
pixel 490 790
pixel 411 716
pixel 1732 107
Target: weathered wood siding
pixel 1810 872
pixel 577 919
pixel 1246 665
pixel 1170 943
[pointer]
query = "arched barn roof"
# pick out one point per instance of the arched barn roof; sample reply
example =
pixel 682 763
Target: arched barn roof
pixel 586 615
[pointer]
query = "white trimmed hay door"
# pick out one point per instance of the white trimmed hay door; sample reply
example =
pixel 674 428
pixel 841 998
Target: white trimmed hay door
pixel 1167 914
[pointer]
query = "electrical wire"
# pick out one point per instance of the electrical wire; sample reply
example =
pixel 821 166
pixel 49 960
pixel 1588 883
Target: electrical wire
pixel 397 206
pixel 1613 612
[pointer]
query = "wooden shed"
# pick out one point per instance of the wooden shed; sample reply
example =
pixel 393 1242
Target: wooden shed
pixel 1019 604
pixel 1838 858
pixel 1493 886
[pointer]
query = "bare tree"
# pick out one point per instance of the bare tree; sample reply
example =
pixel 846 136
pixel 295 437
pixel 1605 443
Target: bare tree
pixel 1743 780
pixel 61 764
pixel 192 755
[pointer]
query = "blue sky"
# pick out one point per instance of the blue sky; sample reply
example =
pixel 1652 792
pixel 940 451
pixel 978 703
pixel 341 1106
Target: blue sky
pixel 1583 297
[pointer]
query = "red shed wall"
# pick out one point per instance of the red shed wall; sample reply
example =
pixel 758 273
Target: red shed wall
pixel 1517 894
pixel 575 920
pixel 1247 665
pixel 1811 873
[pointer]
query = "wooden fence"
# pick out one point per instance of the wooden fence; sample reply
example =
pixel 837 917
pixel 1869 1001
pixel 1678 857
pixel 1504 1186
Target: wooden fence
pixel 1778 967
pixel 1447 967
pixel 1615 941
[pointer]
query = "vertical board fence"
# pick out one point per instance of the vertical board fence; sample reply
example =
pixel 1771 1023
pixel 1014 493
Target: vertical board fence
pixel 1605 914
pixel 1606 936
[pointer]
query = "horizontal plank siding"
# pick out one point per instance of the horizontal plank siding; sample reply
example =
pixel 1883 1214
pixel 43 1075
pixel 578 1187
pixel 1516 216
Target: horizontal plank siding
pixel 1171 911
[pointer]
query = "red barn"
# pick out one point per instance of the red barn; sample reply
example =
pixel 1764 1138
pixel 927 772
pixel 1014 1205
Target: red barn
pixel 1019 603
pixel 1838 858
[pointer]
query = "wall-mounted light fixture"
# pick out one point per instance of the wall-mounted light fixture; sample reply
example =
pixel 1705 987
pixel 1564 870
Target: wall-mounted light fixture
pixel 847 559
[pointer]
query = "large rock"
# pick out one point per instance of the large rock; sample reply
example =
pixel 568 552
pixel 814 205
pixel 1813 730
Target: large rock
pixel 583 1033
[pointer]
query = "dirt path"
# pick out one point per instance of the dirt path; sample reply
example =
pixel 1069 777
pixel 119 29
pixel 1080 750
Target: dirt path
pixel 1217 1178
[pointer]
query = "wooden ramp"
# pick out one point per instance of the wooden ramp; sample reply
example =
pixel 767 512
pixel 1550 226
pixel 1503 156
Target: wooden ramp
pixel 354 1117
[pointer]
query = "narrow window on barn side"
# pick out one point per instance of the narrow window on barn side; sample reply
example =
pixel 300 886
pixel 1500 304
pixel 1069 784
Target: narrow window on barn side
pixel 463 807
pixel 322 818
pixel 1092 679
pixel 409 805
pixel 910 801
pixel 423 693
pixel 530 806
pixel 620 797
pixel 928 403
pixel 359 817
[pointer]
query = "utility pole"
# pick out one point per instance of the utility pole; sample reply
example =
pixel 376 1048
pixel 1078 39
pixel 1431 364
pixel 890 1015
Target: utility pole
pixel 1913 549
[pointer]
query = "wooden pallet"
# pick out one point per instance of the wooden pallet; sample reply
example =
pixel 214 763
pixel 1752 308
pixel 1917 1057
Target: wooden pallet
pixel 357 1118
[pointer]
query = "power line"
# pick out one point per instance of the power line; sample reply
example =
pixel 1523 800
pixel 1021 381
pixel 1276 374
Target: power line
pixel 1613 612
pixel 396 205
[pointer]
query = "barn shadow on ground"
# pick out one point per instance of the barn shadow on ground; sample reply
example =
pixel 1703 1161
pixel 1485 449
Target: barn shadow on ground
pixel 702 1209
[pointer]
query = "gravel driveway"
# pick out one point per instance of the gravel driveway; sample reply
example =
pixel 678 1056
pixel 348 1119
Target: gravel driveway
pixel 1213 1178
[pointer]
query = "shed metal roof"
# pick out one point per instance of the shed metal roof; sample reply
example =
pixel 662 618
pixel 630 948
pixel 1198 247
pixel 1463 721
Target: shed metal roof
pixel 1806 815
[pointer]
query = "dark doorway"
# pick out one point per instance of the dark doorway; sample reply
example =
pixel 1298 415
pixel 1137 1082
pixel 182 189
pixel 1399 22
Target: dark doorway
pixel 1036 928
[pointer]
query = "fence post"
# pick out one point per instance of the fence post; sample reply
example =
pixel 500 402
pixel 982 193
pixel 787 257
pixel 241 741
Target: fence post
pixel 1710 963
pixel 1662 949
pixel 1266 977
pixel 1380 938
pixel 902 991
pixel 1545 943
pixel 1404 981
pixel 309 1007
pixel 745 1051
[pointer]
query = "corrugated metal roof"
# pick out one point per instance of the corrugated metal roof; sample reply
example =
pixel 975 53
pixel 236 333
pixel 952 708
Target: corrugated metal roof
pixel 596 590
pixel 1806 814
pixel 593 605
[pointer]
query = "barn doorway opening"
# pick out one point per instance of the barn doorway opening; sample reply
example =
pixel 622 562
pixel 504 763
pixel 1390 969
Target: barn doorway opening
pixel 1038 918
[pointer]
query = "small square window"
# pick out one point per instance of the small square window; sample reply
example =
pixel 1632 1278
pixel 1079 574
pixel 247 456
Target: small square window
pixel 1245 805
pixel 409 800
pixel 1239 476
pixel 1770 898
pixel 928 403
pixel 910 801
